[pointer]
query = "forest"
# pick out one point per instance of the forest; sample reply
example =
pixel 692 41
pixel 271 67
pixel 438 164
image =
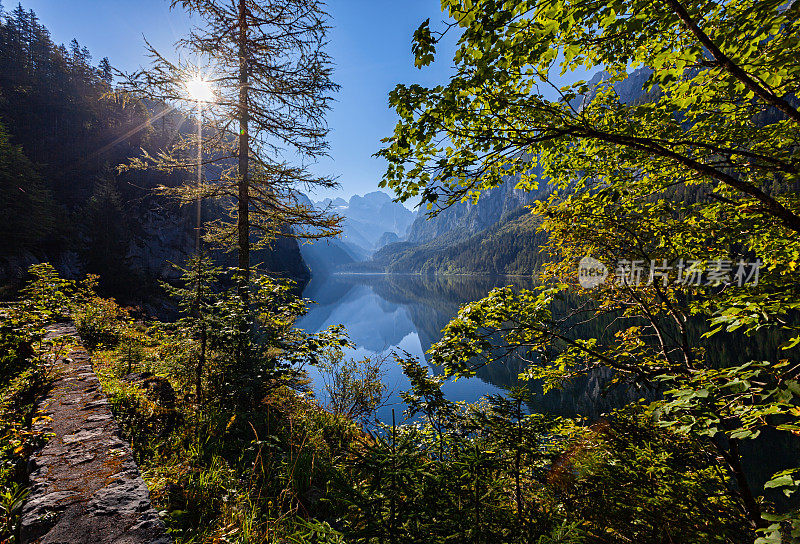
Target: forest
pixel 160 213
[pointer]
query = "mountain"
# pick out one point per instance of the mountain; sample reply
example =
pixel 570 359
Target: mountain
pixel 509 246
pixel 467 219
pixel 496 235
pixel 388 238
pixel 369 223
pixel 628 90
pixel 326 255
pixel 368 217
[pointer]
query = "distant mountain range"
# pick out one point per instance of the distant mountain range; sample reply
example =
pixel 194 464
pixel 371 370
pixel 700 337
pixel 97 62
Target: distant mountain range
pixel 371 218
pixel 369 223
pixel 496 235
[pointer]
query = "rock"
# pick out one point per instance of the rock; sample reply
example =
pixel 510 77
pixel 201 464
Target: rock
pixel 83 436
pixel 86 487
pixel 127 495
pixel 134 377
pixel 156 388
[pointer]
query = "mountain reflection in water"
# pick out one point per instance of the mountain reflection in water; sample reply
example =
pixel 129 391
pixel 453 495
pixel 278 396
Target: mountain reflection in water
pixel 392 313
pixel 386 313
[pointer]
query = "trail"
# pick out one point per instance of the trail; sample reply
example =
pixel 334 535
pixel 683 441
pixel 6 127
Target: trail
pixel 86 487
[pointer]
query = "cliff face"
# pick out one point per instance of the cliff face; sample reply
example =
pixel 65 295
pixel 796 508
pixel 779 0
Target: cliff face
pixel 496 235
pixel 131 261
pixel 469 219
pixel 628 91
pixel 166 235
pixel 161 236
pixel 368 217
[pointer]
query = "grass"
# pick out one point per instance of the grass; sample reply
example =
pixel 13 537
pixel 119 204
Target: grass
pixel 219 474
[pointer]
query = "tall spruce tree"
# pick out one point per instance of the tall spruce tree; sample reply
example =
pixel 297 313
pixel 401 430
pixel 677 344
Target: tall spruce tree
pixel 26 214
pixel 272 87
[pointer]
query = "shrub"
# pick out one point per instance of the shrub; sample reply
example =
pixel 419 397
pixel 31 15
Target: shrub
pixel 100 321
pixel 354 388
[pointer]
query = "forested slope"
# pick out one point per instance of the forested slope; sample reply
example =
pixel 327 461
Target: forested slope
pixel 496 235
pixel 61 197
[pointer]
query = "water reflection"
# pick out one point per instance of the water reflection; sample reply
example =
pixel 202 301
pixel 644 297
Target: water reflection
pixel 384 313
pixel 387 313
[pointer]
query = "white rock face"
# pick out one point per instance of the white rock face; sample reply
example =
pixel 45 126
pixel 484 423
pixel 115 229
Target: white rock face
pixel 368 217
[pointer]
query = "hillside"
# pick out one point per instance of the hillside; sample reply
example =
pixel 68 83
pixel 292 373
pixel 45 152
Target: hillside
pixel 61 197
pixel 497 235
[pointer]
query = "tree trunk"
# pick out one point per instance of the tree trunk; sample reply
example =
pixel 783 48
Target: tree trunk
pixel 750 503
pixel 201 363
pixel 243 223
pixel 733 459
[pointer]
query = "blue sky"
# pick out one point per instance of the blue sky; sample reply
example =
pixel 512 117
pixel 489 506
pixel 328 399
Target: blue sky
pixel 370 42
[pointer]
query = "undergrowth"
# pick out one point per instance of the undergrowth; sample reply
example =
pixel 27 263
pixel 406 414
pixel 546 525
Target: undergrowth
pixel 26 370
pixel 234 448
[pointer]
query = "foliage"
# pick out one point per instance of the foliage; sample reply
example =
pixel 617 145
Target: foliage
pixel 25 372
pixel 692 156
pixel 275 465
pixel 54 116
pixel 354 388
pixel 11 501
pixel 250 456
pixel 98 322
pixel 52 109
pixel 243 472
pixel 48 297
pixel 243 341
pixel 494 473
pixel 27 215
pixel 61 198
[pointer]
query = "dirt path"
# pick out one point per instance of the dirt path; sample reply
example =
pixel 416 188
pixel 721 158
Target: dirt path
pixel 86 487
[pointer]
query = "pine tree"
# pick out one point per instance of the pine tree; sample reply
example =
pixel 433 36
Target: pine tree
pixel 26 217
pixel 272 82
pixel 106 231
pixel 105 70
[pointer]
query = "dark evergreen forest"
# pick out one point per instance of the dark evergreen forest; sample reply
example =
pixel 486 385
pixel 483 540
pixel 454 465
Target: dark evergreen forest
pixel 63 132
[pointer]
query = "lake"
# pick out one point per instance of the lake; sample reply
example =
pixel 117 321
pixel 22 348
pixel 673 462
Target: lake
pixel 386 313
pixel 391 313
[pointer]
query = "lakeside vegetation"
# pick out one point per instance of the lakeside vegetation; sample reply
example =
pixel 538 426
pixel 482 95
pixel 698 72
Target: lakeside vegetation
pixel 260 460
pixel 699 165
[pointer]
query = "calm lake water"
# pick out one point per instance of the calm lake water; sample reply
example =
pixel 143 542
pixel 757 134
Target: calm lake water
pixel 392 313
pixel 386 313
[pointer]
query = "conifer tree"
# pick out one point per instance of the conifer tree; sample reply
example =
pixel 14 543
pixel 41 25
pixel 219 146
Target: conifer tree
pixel 26 217
pixel 272 83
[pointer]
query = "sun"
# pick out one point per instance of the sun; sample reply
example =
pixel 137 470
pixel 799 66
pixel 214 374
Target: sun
pixel 199 89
